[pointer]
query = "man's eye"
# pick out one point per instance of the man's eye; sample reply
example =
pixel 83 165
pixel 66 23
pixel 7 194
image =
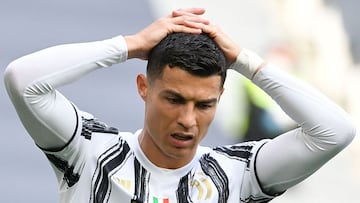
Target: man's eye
pixel 173 100
pixel 204 106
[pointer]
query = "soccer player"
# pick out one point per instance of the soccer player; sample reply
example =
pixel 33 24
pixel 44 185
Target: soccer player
pixel 188 58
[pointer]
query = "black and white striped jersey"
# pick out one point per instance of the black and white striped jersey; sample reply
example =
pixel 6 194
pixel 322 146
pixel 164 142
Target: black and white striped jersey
pixel 100 164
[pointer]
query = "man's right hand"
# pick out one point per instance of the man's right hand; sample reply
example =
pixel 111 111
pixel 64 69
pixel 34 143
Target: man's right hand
pixel 182 20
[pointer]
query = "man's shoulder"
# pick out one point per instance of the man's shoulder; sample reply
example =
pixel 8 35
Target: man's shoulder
pixel 243 151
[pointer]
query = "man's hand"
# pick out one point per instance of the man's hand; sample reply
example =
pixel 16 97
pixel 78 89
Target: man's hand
pixel 183 20
pixel 230 48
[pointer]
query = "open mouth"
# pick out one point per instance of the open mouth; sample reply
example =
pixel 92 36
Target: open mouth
pixel 182 137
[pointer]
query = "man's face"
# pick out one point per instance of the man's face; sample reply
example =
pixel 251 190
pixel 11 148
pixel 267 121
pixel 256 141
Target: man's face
pixel 178 111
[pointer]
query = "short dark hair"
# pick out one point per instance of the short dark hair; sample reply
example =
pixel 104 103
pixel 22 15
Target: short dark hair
pixel 198 54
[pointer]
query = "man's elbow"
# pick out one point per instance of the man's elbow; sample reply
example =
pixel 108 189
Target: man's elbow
pixel 347 132
pixel 14 79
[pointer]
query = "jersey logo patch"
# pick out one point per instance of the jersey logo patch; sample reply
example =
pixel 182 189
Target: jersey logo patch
pixel 203 186
pixel 125 183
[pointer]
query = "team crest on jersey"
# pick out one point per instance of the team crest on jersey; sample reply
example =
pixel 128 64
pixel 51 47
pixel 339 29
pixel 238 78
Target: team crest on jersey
pixel 202 186
pixel 126 184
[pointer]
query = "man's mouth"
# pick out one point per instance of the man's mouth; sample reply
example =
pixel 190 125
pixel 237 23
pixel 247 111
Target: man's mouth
pixel 182 137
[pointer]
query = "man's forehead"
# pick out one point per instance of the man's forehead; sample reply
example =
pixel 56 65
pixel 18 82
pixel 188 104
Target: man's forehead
pixel 177 74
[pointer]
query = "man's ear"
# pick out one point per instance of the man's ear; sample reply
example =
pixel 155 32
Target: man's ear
pixel 142 85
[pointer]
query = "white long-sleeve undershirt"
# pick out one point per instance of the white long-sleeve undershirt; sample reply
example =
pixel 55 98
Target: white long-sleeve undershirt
pixel 324 128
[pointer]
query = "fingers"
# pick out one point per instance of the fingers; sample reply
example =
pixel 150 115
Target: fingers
pixel 188 20
pixel 186 29
pixel 192 24
pixel 189 14
pixel 188 11
pixel 230 48
pixel 183 20
pixel 210 29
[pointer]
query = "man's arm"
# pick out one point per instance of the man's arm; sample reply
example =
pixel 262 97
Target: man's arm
pixel 32 80
pixel 324 128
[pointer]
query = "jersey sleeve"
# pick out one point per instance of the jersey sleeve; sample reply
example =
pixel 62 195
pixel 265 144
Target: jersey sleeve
pixel 324 128
pixel 90 140
pixel 240 161
pixel 32 81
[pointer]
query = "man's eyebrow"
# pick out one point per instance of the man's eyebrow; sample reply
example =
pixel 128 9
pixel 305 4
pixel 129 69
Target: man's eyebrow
pixel 208 101
pixel 175 94
pixel 172 93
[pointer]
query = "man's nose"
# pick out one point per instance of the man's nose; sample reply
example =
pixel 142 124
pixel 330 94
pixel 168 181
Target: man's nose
pixel 187 117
